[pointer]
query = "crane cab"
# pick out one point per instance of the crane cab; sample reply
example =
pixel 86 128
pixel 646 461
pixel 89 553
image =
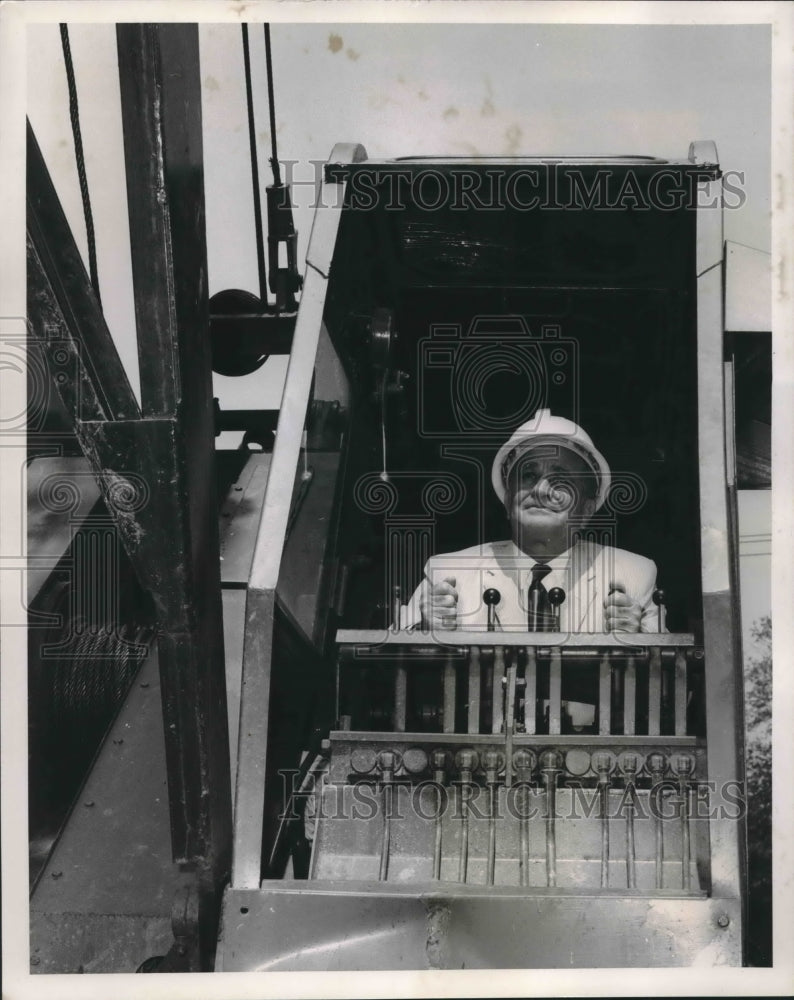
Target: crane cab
pixel 415 799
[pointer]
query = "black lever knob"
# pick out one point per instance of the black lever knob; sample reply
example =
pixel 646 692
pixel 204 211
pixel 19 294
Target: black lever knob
pixel 556 596
pixel 491 597
pixel 658 597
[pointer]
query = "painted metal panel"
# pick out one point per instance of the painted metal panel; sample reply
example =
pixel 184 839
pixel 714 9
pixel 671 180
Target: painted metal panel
pixel 489 928
pixel 268 549
pixel 720 603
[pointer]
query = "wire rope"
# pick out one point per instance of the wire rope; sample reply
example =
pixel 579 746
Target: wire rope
pixel 74 114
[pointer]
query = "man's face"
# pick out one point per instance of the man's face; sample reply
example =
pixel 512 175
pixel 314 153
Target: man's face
pixel 546 488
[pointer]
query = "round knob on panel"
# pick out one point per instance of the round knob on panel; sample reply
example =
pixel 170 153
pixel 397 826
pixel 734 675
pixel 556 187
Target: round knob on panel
pixel 658 597
pixel 630 763
pixel 466 761
pixel 492 762
pixel 414 760
pixel 556 596
pixel 363 760
pixel 577 762
pixel 551 760
pixel 602 762
pixel 491 596
pixel 524 759
pixel 682 764
pixel 388 761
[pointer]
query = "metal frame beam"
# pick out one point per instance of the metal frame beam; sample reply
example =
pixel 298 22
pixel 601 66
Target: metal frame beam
pixel 161 110
pixel 724 709
pixel 157 474
pixel 249 803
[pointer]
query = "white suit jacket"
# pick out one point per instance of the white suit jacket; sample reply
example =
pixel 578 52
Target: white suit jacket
pixel 586 572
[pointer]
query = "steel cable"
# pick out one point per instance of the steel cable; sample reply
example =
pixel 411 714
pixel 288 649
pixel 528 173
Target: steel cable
pixel 74 114
pixel 260 241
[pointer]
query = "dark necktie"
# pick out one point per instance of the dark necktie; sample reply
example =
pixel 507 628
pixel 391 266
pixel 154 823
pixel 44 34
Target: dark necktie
pixel 540 615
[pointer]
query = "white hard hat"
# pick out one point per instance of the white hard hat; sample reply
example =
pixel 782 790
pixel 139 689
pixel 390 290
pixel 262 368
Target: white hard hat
pixel 544 429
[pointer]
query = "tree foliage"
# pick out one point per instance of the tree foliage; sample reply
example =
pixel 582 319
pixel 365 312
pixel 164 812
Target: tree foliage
pixel 758 768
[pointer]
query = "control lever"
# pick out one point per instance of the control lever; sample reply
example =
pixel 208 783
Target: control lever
pixel 658 597
pixel 630 764
pixel 491 762
pixel 466 761
pixel 656 766
pixel 556 597
pixel 523 764
pixel 439 761
pixel 491 597
pixel 388 762
pixel 550 767
pixel 603 763
pixel 683 767
pixel 396 605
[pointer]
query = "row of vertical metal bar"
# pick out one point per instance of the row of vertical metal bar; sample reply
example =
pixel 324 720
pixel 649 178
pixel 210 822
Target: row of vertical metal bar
pixel 550 770
pixel 609 674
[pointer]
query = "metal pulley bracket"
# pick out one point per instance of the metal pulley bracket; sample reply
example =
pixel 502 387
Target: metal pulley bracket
pixel 282 281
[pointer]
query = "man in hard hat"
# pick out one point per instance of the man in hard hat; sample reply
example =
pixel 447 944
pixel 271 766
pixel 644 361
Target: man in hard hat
pixel 551 479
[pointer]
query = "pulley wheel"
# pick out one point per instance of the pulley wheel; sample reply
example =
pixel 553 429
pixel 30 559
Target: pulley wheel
pixel 236 348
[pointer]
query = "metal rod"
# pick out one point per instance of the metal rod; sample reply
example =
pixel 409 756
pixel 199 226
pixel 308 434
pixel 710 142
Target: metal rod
pixel 474 689
pixel 463 862
pixel 497 691
pixel 631 857
pixel 449 695
pixel 400 697
pixel 491 764
pixel 616 703
pixel 604 793
pixel 466 761
pixel 656 766
pixel 437 834
pixel 385 846
pixel 601 764
pixel 510 698
pixel 605 695
pixel 655 692
pixel 492 792
pixel 396 608
pixel 530 690
pixel 550 768
pixel 683 765
pixel 439 761
pixel 260 244
pixel 659 852
pixel 630 698
pixel 551 845
pixel 685 845
pixel 74 113
pixel 271 100
pixel 555 693
pixel 680 694
pixel 524 762
pixel 574 644
pixel 630 763
pixel 523 821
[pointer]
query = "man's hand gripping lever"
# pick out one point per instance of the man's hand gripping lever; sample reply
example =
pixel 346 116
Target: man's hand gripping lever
pixel 439 605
